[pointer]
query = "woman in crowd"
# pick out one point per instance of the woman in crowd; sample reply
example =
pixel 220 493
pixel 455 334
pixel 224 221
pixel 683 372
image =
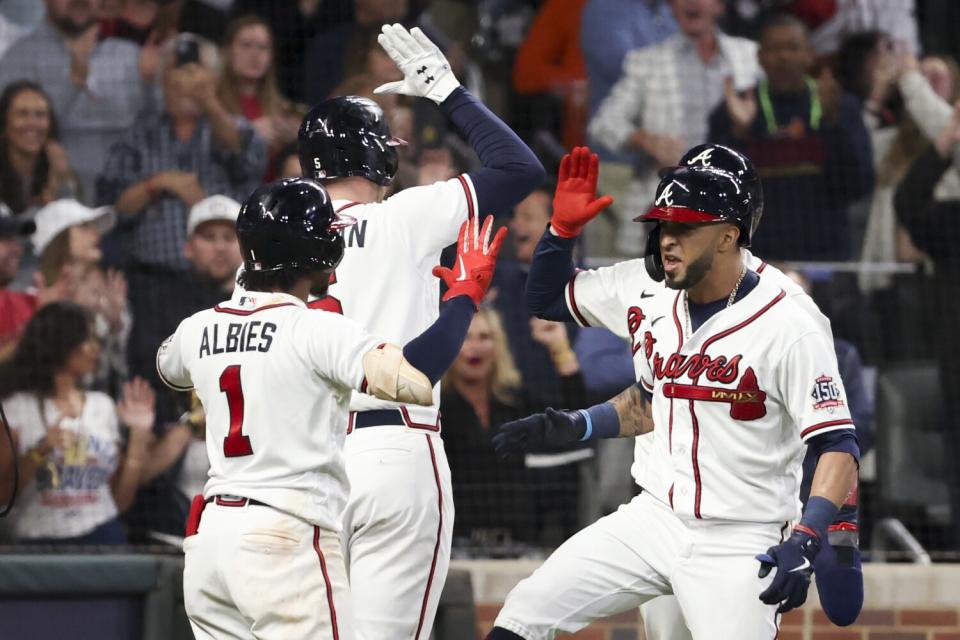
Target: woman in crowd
pixel 75 476
pixel 33 166
pixel 248 83
pixel 67 242
pixel 498 501
pixel 927 89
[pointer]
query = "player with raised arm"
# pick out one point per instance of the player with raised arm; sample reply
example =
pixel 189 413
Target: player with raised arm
pixel 700 483
pixel 398 523
pixel 605 296
pixel 264 558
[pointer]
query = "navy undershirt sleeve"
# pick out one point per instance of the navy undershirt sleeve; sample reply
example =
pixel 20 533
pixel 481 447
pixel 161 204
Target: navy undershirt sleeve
pixel 550 271
pixel 510 170
pixel 434 350
pixel 844 440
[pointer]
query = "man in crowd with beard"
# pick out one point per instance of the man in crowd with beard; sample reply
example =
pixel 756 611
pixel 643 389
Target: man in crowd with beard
pixel 96 86
pixel 160 298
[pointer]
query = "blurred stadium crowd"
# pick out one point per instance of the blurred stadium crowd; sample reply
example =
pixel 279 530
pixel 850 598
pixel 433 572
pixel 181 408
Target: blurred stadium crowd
pixel 130 129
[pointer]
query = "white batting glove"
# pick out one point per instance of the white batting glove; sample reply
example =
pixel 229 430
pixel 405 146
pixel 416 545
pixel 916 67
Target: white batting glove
pixel 426 72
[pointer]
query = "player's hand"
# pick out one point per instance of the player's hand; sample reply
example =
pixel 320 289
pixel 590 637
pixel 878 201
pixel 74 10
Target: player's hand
pixel 476 259
pixel 426 72
pixel 575 201
pixel 549 429
pixel 793 560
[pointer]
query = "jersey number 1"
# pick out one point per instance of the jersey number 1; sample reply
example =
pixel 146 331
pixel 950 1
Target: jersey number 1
pixel 235 444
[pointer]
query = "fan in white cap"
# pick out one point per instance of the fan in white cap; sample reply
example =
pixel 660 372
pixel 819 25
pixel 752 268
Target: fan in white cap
pixel 60 215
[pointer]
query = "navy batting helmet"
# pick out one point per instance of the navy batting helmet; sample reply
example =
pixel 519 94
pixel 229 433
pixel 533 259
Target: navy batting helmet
pixel 290 224
pixel 717 156
pixel 697 194
pixel 348 136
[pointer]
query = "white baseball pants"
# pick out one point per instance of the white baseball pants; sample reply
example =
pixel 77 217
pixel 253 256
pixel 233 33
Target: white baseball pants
pixel 663 619
pixel 254 572
pixel 642 551
pixel 397 529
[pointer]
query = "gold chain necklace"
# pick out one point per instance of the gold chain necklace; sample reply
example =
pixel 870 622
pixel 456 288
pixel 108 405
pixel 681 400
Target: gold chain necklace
pixel 730 299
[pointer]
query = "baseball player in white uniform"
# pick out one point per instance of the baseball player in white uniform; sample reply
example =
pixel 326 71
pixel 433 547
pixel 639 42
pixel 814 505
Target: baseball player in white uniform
pixel 733 404
pixel 264 559
pixel 398 523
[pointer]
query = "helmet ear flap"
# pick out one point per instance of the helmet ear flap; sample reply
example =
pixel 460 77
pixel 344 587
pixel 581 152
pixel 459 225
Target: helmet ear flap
pixel 652 259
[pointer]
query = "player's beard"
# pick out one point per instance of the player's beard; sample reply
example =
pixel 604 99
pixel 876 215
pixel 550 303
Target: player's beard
pixel 693 274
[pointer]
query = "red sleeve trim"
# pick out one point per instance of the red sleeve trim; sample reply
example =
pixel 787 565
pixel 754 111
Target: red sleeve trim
pixel 802 528
pixel 468 191
pixel 347 206
pixel 825 425
pixel 581 320
pixel 164 380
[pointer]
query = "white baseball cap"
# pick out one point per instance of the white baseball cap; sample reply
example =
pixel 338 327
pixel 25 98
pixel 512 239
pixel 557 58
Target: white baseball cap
pixel 60 215
pixel 212 208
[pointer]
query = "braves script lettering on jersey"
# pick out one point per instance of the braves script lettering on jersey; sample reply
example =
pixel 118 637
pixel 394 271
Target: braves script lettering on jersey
pixel 732 404
pixel 614 297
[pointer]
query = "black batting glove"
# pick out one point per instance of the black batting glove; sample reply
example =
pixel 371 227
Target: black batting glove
pixel 541 430
pixel 793 560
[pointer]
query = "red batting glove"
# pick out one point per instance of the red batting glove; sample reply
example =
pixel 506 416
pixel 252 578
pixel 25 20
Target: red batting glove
pixel 575 202
pixel 476 258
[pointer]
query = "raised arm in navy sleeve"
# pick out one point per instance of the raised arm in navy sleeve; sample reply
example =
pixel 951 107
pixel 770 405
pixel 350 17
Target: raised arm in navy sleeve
pixel 510 170
pixel 550 271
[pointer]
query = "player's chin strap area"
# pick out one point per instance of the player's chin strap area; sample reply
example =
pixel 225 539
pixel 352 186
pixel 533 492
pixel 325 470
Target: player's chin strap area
pixel 16 467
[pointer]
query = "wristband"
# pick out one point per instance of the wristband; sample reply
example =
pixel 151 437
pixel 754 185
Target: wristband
pixel 818 515
pixel 602 422
pixel 588 431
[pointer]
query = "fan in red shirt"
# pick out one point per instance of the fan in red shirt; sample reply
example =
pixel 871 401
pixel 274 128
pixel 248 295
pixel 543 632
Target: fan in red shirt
pixel 16 307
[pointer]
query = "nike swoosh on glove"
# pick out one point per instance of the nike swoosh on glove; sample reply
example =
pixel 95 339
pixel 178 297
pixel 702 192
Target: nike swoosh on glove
pixel 476 260
pixel 793 560
pixel 549 429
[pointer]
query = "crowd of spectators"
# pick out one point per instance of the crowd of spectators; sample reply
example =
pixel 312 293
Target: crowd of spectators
pixel 130 130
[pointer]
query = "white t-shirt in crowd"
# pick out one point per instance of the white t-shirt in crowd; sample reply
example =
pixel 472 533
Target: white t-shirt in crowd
pixel 70 493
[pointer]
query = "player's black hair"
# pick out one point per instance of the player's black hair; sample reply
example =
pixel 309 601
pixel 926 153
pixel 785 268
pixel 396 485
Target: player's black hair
pixel 279 280
pixel 50 337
